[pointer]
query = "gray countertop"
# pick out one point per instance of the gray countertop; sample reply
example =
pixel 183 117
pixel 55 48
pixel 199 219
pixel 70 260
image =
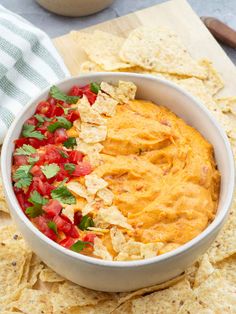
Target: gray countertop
pixel 55 25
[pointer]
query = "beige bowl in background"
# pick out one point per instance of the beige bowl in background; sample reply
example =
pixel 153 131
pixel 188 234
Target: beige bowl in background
pixel 75 7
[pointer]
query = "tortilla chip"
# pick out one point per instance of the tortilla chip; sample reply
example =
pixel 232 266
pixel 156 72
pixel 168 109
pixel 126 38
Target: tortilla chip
pixel 227 269
pixel 106 195
pixel 34 301
pixel 227 104
pixel 34 270
pixel 9 233
pixel 213 82
pixel 106 307
pixel 94 183
pixel 124 92
pixel 217 294
pixel 48 275
pixel 166 301
pixel 102 48
pixel 161 50
pixel 87 112
pixel 148 290
pixel 78 189
pixel 91 133
pixel 104 104
pixel 225 244
pixel 87 149
pixel 117 238
pixel 125 308
pixel 3 203
pixel 100 250
pixel 194 307
pixel 204 271
pixel 69 212
pixel 111 215
pixel 89 66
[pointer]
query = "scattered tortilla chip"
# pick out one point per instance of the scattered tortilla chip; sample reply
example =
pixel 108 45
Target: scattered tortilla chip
pixel 91 133
pixel 227 269
pixel 227 104
pixel 34 301
pixel 104 104
pixel 3 203
pixel 100 250
pixel 225 244
pixel 78 189
pixel 87 112
pixel 213 82
pixel 94 183
pixel 102 48
pixel 125 308
pixel 117 238
pixel 133 250
pixel 87 149
pixel 89 207
pixel 161 50
pixel 9 233
pixel 124 92
pixel 217 294
pixel 106 195
pixel 48 275
pixel 111 215
pixel 193 307
pixel 89 66
pixel 204 271
pixel 69 211
pixel 106 307
pixel 35 268
pixel 77 125
pixel 166 301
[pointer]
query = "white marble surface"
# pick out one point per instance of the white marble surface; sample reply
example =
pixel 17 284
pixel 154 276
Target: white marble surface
pixel 55 25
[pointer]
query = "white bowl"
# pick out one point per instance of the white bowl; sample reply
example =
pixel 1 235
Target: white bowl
pixel 116 276
pixel 75 7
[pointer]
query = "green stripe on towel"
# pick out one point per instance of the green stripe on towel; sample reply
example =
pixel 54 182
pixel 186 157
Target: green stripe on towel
pixel 6 116
pixel 12 91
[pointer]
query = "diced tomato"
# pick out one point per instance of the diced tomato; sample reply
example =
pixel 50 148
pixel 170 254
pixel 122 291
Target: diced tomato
pixel 77 217
pixel 62 224
pixel 91 96
pixel 36 143
pixel 41 223
pixel 67 242
pixel 73 115
pixel 75 156
pixel 60 136
pixel 37 172
pixel 82 169
pixel 52 208
pixel 23 201
pixel 45 108
pixel 52 154
pixel 21 141
pixel 20 160
pixel 50 138
pixel 89 237
pixel 32 121
pixel 44 188
pixel 62 174
pixel 74 232
pixel 57 111
pixel 76 91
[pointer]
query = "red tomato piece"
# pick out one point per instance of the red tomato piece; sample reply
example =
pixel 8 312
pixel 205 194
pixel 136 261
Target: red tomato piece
pixel 73 115
pixel 52 154
pixel 52 101
pixel 82 169
pixel 75 156
pixel 76 91
pixel 62 174
pixel 41 223
pixel 91 96
pixel 45 108
pixel 37 172
pixel 32 121
pixel 22 199
pixel 62 224
pixel 44 188
pixel 89 237
pixel 21 141
pixel 60 136
pixel 57 111
pixel 36 143
pixel 52 208
pixel 77 217
pixel 20 160
pixel 74 232
pixel 67 242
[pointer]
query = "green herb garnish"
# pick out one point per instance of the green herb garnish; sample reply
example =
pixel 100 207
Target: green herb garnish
pixel 56 93
pixel 38 201
pixel 23 176
pixel 53 226
pixel 86 222
pixel 69 167
pixel 25 150
pixel 50 170
pixel 29 131
pixel 95 87
pixel 63 154
pixel 33 160
pixel 80 245
pixel 60 123
pixel 70 142
pixel 63 195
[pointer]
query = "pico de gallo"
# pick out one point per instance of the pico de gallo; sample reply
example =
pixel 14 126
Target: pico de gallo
pixel 44 160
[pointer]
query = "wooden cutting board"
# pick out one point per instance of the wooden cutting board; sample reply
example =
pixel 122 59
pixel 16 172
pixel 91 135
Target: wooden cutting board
pixel 175 14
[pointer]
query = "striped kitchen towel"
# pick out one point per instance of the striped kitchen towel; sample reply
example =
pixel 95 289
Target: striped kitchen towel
pixel 28 64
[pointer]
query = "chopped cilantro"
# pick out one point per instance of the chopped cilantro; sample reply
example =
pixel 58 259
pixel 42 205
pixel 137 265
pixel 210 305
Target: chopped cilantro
pixel 86 222
pixel 69 167
pixel 66 110
pixel 25 150
pixel 95 87
pixel 33 160
pixel 50 170
pixel 51 224
pixel 38 201
pixel 70 142
pixel 63 154
pixel 29 131
pixel 60 123
pixel 63 195
pixel 80 245
pixel 23 176
pixel 56 93
pixel 41 119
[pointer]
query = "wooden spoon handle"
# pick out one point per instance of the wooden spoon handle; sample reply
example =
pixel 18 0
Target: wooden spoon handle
pixel 220 31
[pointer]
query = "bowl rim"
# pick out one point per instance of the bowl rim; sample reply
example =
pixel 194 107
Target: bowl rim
pixel 213 226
